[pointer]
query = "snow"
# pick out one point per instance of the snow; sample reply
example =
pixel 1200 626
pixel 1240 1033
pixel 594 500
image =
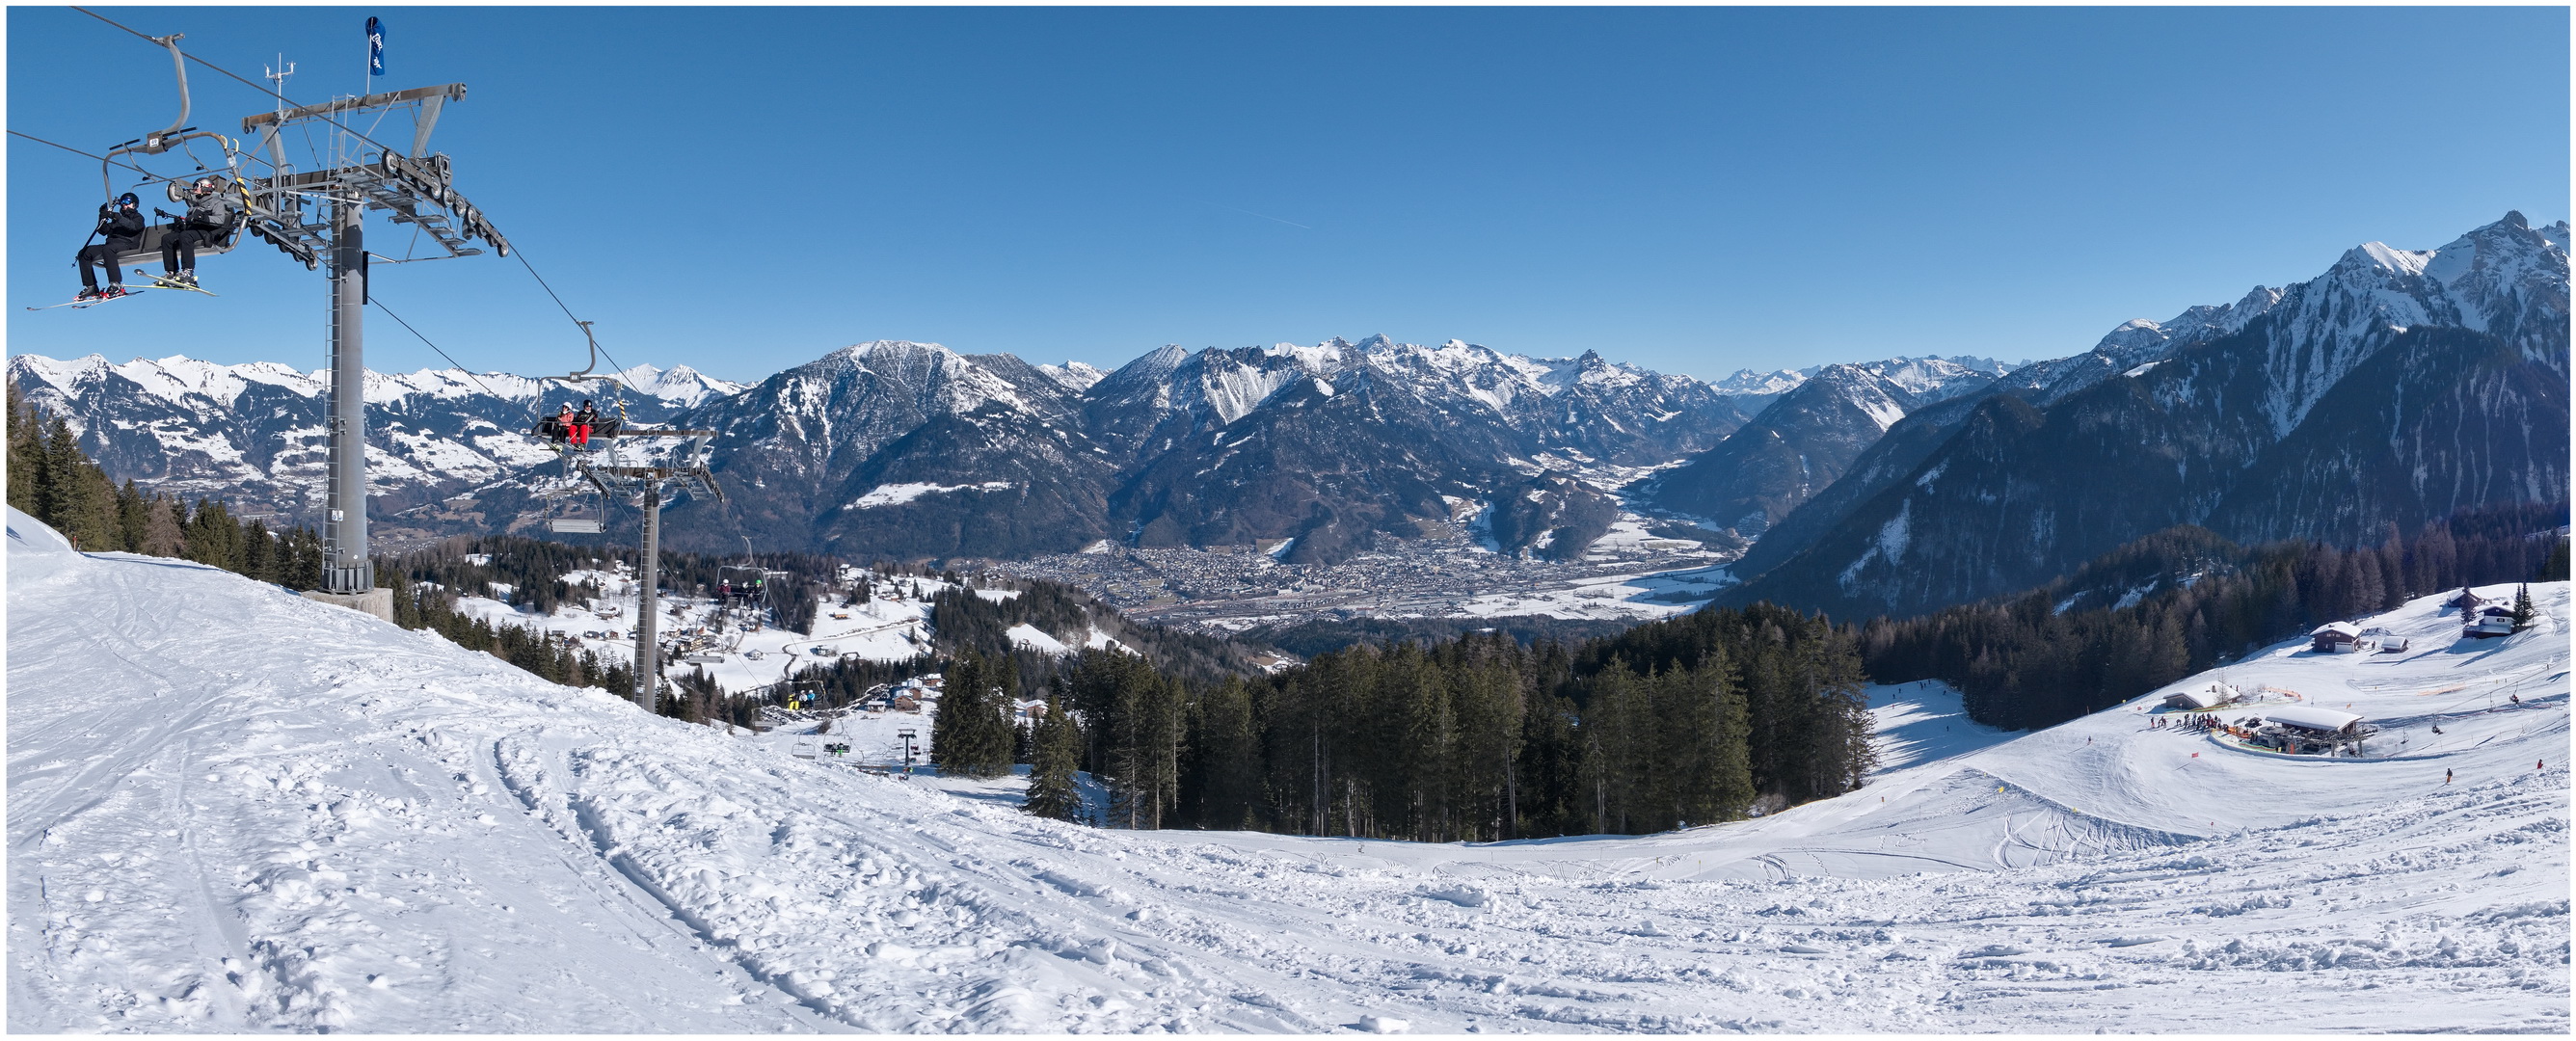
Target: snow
pixel 2397 261
pixel 1074 376
pixel 898 494
pixel 1880 408
pixel 1036 639
pixel 297 817
pixel 1893 538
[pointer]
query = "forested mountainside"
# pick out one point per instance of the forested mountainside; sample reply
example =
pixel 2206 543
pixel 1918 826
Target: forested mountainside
pixel 2397 388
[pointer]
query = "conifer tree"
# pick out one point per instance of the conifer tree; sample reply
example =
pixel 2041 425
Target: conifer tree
pixel 74 496
pixel 958 689
pixel 1224 785
pixel 1051 791
pixel 2524 612
pixel 133 515
pixel 26 453
pixel 971 734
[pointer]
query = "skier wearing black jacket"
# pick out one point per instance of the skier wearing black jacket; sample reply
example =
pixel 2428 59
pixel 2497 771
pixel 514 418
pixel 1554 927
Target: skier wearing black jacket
pixel 122 225
pixel 209 216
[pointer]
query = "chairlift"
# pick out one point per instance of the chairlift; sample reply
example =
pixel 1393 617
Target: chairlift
pixel 575 503
pixel 184 139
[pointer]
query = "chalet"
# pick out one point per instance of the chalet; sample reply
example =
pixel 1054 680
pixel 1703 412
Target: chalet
pixel 2383 641
pixel 2201 700
pixel 2468 602
pixel 2335 638
pixel 2491 620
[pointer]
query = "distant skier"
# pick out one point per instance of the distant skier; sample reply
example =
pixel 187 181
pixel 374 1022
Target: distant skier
pixel 122 227
pixel 209 217
pixel 2437 730
pixel 2446 776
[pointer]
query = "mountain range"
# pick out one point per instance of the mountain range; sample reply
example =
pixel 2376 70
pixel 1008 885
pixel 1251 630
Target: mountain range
pixel 912 450
pixel 2396 387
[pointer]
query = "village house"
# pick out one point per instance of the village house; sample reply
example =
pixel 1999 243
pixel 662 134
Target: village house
pixel 2335 638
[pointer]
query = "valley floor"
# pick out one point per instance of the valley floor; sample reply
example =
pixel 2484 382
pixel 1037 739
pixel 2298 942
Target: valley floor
pixel 231 809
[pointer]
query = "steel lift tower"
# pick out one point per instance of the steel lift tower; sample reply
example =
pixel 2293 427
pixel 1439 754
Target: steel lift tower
pixel 319 217
pixel 684 469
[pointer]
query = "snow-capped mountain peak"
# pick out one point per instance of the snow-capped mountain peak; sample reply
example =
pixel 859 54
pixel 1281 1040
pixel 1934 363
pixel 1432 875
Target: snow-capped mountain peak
pixel 2381 256
pixel 679 385
pixel 1075 376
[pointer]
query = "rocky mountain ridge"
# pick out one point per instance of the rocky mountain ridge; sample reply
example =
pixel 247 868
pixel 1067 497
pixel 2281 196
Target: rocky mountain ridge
pixel 2394 388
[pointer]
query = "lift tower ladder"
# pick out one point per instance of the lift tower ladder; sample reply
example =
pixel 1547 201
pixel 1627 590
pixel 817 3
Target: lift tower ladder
pixel 318 217
pixel 687 471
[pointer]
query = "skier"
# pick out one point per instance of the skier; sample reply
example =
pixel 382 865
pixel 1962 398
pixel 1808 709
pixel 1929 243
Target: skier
pixel 557 427
pixel 2437 730
pixel 209 217
pixel 2446 775
pixel 582 422
pixel 123 228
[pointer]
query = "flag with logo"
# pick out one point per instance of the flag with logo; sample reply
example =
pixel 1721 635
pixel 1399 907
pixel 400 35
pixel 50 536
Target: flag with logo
pixel 375 47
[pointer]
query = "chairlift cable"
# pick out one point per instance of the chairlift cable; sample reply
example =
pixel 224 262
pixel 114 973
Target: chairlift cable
pixel 137 169
pixel 460 366
pixel 291 103
pixel 283 99
pixel 522 255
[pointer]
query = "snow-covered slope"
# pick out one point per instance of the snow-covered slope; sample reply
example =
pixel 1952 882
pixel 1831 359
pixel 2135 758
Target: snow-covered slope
pixel 254 433
pixel 234 810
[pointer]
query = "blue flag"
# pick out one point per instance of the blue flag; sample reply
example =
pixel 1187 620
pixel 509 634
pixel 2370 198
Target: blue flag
pixel 375 47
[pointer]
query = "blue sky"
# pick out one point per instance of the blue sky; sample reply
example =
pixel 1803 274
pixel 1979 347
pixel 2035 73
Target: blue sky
pixel 1694 190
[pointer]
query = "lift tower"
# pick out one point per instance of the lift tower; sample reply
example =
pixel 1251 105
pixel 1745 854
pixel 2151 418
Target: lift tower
pixel 318 216
pixel 616 475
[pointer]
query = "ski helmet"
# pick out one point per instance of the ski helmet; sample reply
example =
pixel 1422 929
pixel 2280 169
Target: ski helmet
pixel 127 199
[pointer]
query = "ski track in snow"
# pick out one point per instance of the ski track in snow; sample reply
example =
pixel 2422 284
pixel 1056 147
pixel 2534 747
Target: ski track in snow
pixel 232 809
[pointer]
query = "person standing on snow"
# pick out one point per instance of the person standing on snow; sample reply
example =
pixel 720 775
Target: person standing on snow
pixel 123 228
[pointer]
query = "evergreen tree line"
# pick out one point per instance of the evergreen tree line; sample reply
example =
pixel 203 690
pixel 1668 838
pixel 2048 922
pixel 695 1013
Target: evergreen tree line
pixel 961 617
pixel 54 481
pixel 2031 661
pixel 1711 717
pixel 533 569
pixel 419 605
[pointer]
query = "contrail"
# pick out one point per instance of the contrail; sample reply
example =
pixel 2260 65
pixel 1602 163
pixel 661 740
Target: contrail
pixel 1263 216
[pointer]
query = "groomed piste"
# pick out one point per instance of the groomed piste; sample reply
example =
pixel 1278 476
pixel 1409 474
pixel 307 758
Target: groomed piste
pixel 231 809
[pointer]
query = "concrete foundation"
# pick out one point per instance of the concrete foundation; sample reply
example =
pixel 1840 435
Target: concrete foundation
pixel 377 602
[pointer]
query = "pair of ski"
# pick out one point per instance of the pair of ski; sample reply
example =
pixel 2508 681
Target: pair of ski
pixel 158 282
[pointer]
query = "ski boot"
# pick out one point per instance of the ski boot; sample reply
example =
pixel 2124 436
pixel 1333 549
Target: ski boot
pixel 113 291
pixel 90 293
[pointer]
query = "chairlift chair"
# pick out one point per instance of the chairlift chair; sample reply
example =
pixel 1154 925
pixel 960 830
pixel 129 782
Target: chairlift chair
pixel 184 139
pixel 575 504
